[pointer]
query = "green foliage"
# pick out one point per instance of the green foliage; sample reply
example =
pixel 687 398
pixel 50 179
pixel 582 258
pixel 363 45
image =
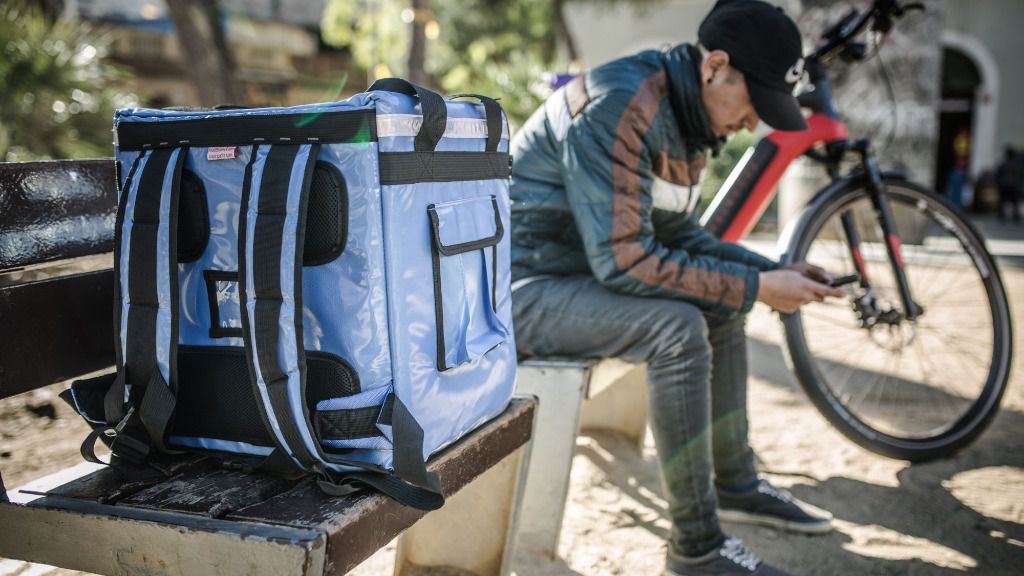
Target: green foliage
pixel 718 169
pixel 372 29
pixel 495 47
pixel 57 100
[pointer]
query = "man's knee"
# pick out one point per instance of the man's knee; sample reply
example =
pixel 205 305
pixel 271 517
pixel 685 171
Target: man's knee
pixel 682 330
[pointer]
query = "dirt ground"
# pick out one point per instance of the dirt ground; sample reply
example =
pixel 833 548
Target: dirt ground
pixel 964 514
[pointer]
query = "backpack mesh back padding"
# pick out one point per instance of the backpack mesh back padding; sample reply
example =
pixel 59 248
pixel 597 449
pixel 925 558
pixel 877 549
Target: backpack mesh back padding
pixel 216 398
pixel 326 215
pixel 328 376
pixel 193 218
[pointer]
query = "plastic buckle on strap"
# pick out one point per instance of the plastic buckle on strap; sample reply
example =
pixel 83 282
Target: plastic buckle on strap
pixel 113 432
pixel 346 487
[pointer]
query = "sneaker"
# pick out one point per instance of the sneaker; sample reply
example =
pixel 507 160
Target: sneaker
pixel 731 558
pixel 767 505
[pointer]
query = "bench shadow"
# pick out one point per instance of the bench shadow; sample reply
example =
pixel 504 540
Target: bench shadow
pixel 919 525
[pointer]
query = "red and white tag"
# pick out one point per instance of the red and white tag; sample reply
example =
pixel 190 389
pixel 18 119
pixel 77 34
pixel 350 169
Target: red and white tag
pixel 222 152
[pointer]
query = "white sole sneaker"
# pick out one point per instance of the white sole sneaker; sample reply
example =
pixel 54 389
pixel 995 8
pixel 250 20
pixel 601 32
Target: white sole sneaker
pixel 741 517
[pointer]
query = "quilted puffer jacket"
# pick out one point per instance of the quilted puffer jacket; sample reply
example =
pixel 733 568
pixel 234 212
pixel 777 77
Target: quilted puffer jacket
pixel 604 183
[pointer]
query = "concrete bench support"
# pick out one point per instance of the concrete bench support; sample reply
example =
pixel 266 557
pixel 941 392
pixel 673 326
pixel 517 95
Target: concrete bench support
pixel 474 531
pixel 574 395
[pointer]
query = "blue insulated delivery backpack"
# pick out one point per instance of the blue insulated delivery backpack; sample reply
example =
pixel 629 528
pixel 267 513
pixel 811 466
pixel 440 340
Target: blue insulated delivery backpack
pixel 323 287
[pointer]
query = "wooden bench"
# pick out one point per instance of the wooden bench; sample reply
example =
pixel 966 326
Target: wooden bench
pixel 56 300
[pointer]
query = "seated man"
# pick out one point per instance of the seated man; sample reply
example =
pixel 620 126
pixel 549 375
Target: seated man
pixel 609 260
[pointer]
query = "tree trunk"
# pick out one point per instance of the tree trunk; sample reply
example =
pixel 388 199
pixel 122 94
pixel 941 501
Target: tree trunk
pixel 562 28
pixel 418 43
pixel 205 52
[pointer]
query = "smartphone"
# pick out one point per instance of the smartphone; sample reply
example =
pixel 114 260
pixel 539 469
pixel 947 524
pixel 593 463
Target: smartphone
pixel 844 280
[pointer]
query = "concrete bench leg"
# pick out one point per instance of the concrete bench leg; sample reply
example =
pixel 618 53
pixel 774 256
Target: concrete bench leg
pixel 560 387
pixel 473 532
pixel 617 401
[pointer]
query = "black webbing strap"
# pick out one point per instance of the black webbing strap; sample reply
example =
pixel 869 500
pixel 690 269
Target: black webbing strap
pixel 157 409
pixel 411 484
pixel 408 451
pixel 389 485
pixel 279 464
pixel 435 112
pixel 495 125
pixel 262 331
pixel 125 458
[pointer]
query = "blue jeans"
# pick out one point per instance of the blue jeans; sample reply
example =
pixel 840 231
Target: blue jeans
pixel 696 375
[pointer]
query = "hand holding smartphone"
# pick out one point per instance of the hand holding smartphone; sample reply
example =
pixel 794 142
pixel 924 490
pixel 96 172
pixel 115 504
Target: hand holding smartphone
pixel 844 280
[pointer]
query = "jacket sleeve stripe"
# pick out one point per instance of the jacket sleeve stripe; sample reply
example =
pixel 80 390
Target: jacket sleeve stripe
pixel 630 255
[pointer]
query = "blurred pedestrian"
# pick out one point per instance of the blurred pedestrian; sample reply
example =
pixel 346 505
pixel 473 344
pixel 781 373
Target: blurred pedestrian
pixel 957 177
pixel 1010 179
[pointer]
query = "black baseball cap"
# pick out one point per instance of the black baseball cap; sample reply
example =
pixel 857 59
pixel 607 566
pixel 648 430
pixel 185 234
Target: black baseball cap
pixel 764 44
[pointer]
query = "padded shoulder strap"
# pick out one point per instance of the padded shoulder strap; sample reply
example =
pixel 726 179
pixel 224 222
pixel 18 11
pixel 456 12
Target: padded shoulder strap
pixel 140 403
pixel 271 240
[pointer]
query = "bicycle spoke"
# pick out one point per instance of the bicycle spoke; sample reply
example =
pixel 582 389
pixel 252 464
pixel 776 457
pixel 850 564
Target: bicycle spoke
pixel 912 380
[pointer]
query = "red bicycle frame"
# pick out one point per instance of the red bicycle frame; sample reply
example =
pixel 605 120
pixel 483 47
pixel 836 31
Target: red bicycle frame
pixel 751 185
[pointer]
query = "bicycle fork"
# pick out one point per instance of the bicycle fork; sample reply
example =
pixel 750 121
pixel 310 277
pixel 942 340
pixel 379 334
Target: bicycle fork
pixel 883 211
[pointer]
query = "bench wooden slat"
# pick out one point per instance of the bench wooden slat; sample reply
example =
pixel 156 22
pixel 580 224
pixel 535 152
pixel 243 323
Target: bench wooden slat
pixel 213 493
pixel 357 526
pixel 107 487
pixel 108 539
pixel 56 210
pixel 54 330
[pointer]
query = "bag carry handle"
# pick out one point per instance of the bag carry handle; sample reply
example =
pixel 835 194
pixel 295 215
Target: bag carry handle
pixel 495 125
pixel 435 112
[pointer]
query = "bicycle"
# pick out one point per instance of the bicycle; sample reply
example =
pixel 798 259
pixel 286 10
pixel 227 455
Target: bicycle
pixel 929 311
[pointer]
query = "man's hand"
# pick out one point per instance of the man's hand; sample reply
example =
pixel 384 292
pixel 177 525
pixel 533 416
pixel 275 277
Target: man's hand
pixel 811 271
pixel 786 289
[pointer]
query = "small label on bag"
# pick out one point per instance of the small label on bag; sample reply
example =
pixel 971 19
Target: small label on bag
pixel 222 152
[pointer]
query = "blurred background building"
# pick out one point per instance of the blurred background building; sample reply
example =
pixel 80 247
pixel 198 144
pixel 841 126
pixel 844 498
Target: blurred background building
pixel 276 45
pixel 938 102
pixel 955 73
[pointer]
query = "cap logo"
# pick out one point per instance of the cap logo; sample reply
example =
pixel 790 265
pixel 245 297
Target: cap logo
pixel 795 71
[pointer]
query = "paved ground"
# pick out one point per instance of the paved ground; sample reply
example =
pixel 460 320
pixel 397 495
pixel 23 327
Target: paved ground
pixel 959 515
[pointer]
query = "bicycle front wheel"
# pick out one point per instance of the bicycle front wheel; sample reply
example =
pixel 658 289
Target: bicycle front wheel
pixel 913 389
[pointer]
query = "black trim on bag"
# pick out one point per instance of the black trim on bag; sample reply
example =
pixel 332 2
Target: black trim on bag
pixel 439 249
pixel 415 167
pixel 494 277
pixel 244 130
pixel 216 329
pixel 435 259
pixel 454 249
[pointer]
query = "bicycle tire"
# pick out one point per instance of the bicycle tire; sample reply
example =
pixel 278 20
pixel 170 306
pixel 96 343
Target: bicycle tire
pixel 981 411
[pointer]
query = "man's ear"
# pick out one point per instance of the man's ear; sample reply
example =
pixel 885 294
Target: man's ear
pixel 714 64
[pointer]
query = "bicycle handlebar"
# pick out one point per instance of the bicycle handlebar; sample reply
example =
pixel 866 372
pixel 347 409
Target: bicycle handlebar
pixel 880 16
